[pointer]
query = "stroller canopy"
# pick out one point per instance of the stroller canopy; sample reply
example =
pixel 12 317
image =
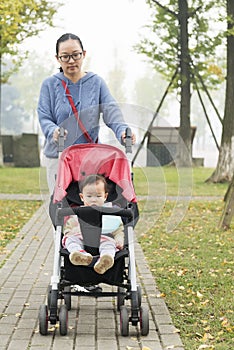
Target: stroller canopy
pixel 78 161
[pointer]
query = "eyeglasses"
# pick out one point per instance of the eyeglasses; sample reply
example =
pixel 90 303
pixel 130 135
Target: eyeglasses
pixel 75 56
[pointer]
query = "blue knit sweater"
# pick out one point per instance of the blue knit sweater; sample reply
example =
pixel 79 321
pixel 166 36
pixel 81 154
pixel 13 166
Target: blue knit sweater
pixel 91 97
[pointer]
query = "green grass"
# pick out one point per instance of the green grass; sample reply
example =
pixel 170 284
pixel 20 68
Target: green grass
pixel 172 182
pixel 193 269
pixel 22 180
pixel 14 214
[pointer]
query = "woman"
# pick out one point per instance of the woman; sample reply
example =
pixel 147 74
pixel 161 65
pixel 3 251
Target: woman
pixel 74 99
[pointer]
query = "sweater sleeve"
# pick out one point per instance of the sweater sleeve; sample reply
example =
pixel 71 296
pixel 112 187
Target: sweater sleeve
pixel 45 113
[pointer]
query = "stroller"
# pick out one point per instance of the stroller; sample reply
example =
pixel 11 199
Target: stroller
pixel 75 163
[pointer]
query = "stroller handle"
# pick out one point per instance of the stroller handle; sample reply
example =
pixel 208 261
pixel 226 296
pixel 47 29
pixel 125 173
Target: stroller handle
pixel 61 140
pixel 128 142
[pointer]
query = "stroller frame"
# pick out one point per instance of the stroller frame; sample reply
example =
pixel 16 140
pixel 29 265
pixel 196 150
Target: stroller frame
pixel 60 287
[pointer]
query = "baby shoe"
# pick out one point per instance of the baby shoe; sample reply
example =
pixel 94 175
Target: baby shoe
pixel 80 257
pixel 103 264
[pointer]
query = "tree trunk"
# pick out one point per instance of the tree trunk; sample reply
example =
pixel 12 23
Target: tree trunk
pixel 1 153
pixel 228 210
pixel 225 166
pixel 184 152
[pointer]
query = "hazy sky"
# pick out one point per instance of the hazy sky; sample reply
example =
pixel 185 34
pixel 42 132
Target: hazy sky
pixel 103 26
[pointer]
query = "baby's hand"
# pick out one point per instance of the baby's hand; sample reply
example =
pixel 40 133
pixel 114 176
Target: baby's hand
pixel 119 240
pixel 119 245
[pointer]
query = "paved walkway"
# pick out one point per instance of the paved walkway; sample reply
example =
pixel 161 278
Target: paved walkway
pixel 93 323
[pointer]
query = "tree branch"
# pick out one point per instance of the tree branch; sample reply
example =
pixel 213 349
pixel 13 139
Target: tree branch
pixel 165 8
pixel 194 11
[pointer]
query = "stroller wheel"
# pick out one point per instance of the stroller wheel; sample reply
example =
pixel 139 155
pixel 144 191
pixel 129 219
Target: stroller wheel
pixel 124 321
pixel 63 320
pixel 144 320
pixel 43 320
pixel 120 298
pixel 67 297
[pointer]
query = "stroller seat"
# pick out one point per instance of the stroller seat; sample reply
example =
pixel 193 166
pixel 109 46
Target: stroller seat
pixel 85 275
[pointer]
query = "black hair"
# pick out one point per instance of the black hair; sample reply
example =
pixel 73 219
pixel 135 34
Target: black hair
pixel 91 179
pixel 66 37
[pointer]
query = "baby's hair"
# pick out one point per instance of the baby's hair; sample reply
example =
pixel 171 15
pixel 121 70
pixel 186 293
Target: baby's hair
pixel 91 179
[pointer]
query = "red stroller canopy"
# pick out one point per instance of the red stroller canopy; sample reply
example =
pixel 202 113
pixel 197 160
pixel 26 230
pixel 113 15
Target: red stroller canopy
pixel 78 161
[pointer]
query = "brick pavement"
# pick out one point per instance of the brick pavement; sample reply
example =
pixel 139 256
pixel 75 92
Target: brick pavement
pixel 93 323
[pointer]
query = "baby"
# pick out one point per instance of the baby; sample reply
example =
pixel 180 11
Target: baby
pixel 94 193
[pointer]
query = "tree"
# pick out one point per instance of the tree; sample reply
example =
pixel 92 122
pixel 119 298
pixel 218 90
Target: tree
pixel 20 94
pixel 181 38
pixel 225 166
pixel 21 19
pixel 184 64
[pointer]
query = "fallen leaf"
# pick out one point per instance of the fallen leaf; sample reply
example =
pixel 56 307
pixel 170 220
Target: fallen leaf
pixel 176 330
pixel 199 295
pixel 207 336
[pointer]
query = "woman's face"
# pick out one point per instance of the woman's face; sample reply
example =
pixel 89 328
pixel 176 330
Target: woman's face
pixel 71 65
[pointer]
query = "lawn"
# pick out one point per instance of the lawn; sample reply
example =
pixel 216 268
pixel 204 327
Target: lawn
pixel 193 269
pixel 22 180
pixel 13 215
pixel 191 259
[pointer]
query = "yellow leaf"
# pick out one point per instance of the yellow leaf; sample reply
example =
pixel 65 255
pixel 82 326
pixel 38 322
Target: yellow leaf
pixel 204 321
pixel 207 336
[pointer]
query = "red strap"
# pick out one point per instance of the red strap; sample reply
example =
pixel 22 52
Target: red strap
pixel 81 125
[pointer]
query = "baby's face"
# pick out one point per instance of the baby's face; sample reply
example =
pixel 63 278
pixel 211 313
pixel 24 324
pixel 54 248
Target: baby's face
pixel 94 194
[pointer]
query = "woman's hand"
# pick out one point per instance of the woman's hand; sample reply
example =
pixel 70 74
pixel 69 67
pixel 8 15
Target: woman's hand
pixel 123 137
pixel 57 133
